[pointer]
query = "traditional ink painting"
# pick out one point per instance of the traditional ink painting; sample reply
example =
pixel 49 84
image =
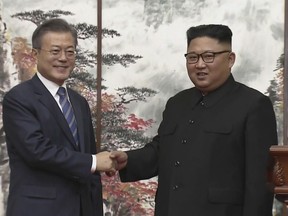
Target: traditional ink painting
pixel 143 65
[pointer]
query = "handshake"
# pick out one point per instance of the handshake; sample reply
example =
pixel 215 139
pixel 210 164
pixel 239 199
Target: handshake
pixel 110 162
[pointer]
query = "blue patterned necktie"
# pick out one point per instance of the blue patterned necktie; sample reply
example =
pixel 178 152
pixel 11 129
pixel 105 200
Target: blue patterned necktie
pixel 68 112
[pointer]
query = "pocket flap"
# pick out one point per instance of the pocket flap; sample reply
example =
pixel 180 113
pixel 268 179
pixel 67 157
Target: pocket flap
pixel 225 195
pixel 222 128
pixel 39 192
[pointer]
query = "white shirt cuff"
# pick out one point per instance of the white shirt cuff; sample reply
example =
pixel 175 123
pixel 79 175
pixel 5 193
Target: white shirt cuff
pixel 94 163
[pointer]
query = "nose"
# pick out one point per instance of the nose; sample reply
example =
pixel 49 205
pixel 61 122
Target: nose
pixel 62 55
pixel 200 63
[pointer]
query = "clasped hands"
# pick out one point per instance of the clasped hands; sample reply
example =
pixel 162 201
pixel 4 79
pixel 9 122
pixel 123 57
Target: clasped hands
pixel 110 162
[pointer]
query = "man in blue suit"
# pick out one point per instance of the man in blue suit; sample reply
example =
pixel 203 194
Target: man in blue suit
pixel 53 173
pixel 211 152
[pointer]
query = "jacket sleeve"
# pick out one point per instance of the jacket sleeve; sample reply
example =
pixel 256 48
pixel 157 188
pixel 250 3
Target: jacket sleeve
pixel 261 133
pixel 142 163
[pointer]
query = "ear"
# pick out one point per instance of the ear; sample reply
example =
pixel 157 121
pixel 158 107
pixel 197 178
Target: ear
pixel 232 58
pixel 34 52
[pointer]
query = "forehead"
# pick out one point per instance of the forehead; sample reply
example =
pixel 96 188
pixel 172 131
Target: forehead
pixel 202 44
pixel 58 39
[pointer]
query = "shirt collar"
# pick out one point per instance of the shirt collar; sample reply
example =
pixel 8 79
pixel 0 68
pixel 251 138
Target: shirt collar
pixel 213 97
pixel 51 86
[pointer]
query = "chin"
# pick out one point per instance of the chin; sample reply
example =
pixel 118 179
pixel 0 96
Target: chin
pixel 201 85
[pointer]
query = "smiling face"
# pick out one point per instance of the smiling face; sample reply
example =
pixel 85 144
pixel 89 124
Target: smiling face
pixel 209 76
pixel 55 68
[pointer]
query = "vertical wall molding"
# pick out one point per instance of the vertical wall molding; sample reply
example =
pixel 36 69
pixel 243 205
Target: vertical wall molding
pixel 99 76
pixel 285 113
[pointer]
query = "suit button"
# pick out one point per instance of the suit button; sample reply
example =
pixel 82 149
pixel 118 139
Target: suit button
pixel 184 141
pixel 175 187
pixel 177 163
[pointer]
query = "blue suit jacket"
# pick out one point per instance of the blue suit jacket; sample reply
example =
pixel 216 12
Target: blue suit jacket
pixel 49 176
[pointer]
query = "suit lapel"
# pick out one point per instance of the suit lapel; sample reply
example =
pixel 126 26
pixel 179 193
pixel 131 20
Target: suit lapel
pixel 48 101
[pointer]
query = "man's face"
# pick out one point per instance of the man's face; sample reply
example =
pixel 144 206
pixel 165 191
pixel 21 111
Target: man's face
pixel 209 76
pixel 56 57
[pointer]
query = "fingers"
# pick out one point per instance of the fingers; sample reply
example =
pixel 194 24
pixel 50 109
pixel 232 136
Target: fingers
pixel 111 161
pixel 110 173
pixel 119 156
pixel 105 163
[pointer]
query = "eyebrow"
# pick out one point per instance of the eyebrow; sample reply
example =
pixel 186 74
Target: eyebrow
pixel 193 52
pixel 58 46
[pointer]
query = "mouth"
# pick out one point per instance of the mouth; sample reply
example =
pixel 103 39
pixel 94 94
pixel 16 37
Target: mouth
pixel 61 69
pixel 201 74
pixel 60 66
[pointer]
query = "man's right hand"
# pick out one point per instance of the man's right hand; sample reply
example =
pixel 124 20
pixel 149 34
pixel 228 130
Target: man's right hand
pixel 105 163
pixel 120 159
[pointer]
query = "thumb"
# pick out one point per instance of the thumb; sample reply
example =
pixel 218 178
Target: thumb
pixel 113 155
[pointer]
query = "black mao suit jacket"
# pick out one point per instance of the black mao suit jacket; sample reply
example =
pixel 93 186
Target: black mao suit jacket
pixel 210 154
pixel 50 176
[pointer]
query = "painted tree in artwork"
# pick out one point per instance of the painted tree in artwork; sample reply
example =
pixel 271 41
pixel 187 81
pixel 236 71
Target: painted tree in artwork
pixel 123 199
pixel 121 129
pixel 276 93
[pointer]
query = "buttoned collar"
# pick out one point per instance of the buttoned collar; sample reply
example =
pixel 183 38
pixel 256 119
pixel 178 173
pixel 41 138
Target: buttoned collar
pixel 213 97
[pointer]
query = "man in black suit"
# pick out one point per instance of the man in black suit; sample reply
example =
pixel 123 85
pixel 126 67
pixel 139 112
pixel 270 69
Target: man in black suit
pixel 54 171
pixel 212 149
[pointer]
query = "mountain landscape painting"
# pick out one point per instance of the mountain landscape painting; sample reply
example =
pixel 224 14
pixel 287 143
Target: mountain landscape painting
pixel 143 65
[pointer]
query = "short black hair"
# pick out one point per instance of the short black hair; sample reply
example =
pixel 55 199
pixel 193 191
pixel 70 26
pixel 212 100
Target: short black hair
pixel 52 25
pixel 216 31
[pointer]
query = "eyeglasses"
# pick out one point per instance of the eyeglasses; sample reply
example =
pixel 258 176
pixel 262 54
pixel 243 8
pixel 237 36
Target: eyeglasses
pixel 207 57
pixel 56 52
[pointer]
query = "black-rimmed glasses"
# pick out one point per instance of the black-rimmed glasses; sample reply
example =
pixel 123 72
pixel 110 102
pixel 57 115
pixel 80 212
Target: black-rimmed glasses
pixel 207 57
